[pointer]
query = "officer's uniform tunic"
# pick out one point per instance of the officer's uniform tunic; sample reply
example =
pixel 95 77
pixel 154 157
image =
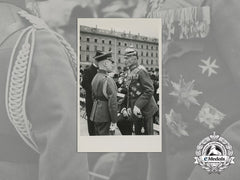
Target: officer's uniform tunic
pixel 105 106
pixel 140 94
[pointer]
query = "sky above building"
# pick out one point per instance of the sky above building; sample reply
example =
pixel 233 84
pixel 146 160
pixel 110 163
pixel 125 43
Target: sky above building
pixel 145 27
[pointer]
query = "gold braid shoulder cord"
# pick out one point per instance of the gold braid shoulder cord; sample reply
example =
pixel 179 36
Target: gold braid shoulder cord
pixel 18 76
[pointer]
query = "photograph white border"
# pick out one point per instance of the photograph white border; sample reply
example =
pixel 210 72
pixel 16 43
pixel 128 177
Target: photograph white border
pixel 145 143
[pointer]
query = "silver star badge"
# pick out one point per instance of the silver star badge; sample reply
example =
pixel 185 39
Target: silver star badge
pixel 209 66
pixel 185 93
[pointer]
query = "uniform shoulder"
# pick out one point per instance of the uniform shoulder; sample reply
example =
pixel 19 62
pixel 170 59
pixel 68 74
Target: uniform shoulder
pixel 52 38
pixel 142 69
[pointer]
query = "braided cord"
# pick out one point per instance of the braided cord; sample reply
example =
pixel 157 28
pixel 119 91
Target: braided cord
pixel 70 52
pixel 40 24
pixel 17 85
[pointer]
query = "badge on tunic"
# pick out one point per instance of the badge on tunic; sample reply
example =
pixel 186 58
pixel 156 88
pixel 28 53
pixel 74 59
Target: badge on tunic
pixel 210 116
pixel 209 66
pixel 175 123
pixel 185 93
pixel 214 154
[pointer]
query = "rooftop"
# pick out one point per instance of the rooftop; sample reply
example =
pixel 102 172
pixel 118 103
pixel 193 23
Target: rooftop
pixel 113 33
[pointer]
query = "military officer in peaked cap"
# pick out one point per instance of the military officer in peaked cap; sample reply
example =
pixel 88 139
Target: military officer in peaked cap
pixel 88 76
pixel 140 105
pixel 104 92
pixel 201 84
pixel 38 100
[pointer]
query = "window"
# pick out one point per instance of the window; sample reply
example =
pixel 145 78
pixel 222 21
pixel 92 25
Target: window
pixel 87 58
pixel 151 54
pixel 103 48
pixel 141 61
pixel 109 49
pixel 146 53
pixel 88 39
pixel 142 46
pixel 151 61
pixel 151 47
pixel 146 46
pixel 87 48
pixel 110 42
pixel 125 44
pixel 95 40
pixel 119 43
pixel 156 54
pixel 119 51
pixel 156 48
pixel 103 41
pixel 147 61
pixel 119 60
pixel 80 38
pixel 95 48
pixel 141 53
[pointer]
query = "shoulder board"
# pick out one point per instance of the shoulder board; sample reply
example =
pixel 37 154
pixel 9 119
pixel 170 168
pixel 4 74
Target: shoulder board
pixel 140 67
pixel 17 85
pixel 33 20
pixel 38 23
pixel 183 23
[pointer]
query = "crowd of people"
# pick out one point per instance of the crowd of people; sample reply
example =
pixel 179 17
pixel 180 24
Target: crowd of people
pixel 130 95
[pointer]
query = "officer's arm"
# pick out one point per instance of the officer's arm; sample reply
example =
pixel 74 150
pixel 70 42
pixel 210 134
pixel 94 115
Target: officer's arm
pixel 112 99
pixel 148 89
pixel 51 107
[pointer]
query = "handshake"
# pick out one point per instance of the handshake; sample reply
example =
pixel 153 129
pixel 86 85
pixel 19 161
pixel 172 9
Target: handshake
pixel 128 112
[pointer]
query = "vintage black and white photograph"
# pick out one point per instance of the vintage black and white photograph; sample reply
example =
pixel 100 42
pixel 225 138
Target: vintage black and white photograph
pixel 119 70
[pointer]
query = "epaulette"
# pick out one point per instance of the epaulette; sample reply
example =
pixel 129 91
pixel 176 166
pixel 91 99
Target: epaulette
pixel 183 23
pixel 38 23
pixel 19 75
pixel 141 67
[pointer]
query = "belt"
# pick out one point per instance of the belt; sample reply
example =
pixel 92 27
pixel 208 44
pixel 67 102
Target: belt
pixel 14 149
pixel 100 99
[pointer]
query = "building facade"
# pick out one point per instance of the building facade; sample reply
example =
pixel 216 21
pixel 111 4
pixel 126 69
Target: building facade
pixel 93 39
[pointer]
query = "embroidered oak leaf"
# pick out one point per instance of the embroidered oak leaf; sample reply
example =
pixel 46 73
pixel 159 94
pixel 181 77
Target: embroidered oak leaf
pixel 185 93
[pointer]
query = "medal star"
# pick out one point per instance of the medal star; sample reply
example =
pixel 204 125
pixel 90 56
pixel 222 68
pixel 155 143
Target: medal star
pixel 209 66
pixel 210 116
pixel 175 124
pixel 185 92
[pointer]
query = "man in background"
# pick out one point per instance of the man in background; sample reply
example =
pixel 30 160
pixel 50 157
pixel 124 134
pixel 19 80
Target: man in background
pixel 88 76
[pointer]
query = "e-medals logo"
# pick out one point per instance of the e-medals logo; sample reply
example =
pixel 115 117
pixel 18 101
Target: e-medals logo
pixel 214 154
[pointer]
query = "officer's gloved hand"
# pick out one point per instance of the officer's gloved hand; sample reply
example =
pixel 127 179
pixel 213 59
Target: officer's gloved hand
pixel 137 112
pixel 124 112
pixel 129 111
pixel 113 126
